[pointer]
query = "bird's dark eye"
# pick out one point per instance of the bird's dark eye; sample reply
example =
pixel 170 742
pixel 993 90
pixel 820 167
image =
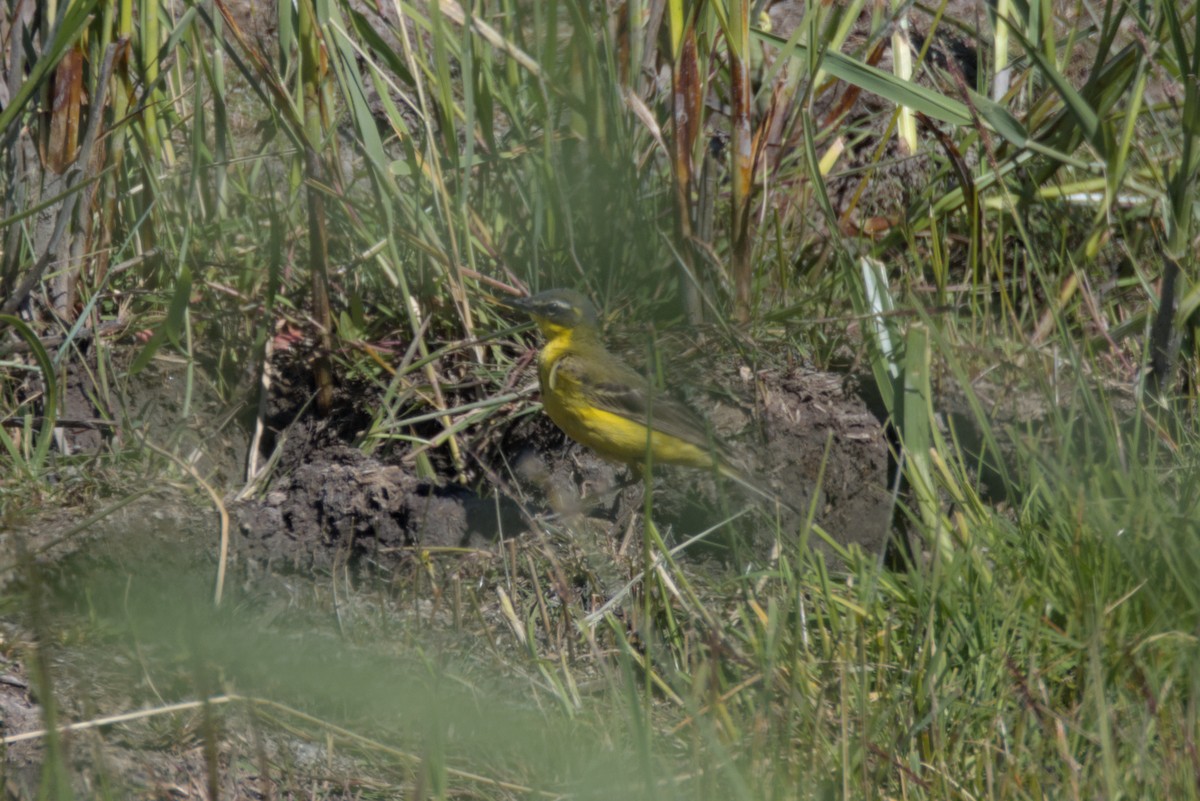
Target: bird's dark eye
pixel 559 306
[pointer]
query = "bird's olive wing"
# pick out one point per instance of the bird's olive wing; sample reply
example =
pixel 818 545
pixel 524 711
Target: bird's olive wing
pixel 609 385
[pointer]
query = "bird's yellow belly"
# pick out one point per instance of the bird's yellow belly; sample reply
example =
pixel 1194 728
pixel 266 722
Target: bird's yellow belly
pixel 616 437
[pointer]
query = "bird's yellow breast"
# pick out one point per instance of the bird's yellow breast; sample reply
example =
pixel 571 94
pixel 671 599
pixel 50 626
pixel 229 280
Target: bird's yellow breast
pixel 611 435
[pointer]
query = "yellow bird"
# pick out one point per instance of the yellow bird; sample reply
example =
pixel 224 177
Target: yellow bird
pixel 600 402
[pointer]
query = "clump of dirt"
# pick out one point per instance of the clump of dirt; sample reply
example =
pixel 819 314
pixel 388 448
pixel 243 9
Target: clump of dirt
pixel 341 503
pixel 802 434
pixel 19 713
pixel 823 441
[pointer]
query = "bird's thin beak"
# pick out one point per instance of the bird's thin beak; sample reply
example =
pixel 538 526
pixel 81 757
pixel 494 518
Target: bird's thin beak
pixel 520 304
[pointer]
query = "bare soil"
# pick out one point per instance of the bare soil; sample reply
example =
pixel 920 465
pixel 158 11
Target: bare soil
pixel 330 509
pixel 803 433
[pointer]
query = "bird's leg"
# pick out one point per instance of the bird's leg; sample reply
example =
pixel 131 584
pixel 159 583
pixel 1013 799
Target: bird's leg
pixel 614 493
pixel 637 475
pixel 627 515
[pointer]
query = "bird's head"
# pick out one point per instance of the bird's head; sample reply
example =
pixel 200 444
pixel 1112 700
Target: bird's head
pixel 559 311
